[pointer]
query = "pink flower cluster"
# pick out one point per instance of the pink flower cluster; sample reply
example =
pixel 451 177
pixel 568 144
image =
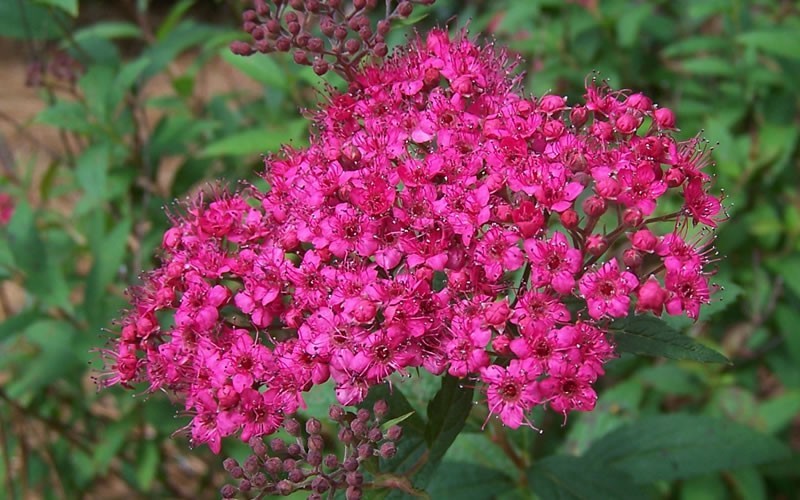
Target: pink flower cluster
pixel 439 220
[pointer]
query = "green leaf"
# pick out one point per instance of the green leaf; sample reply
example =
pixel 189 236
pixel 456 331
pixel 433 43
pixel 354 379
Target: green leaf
pixel 147 462
pixel 447 413
pixel 475 448
pixel 563 477
pixel 16 324
pixel 630 22
pixel 650 336
pixel 777 413
pixel 68 6
pixel 467 481
pixel 108 30
pixel 669 447
pixel 109 252
pixel 708 66
pixel 111 442
pixel 68 115
pixel 397 420
pixel 260 67
pixel 777 42
pixel 175 14
pixel 251 142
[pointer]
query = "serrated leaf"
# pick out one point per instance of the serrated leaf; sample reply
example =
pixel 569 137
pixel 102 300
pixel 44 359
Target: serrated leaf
pixel 669 447
pixel 563 477
pixel 650 336
pixel 251 142
pixel 447 413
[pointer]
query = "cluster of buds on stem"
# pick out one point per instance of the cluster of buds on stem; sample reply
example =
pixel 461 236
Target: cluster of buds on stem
pixel 281 468
pixel 323 34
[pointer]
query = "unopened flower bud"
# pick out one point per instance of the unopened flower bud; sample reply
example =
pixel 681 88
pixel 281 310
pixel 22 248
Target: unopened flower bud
pixel 320 485
pixel 313 426
pixel 500 345
pixel 632 258
pixel 639 102
pixel 569 219
pixel 352 493
pixel 259 480
pixel 602 130
pixel 236 472
pixel 292 427
pixel 320 66
pixel 252 464
pixel 607 187
pixel 380 408
pixel 664 118
pixel 314 457
pixel 364 311
pixel 241 49
pixel 228 491
pixel 229 463
pixel 336 413
pixel 283 44
pixel 405 8
pixel 594 206
pixel 273 465
pixel 626 124
pixel 674 177
pixel 331 461
pixel 388 450
pixel 596 244
pixel 578 116
pixel 244 485
pixel 346 435
pixel 300 57
pixel 375 434
pixel 552 103
pixel 363 415
pixel 296 475
pixel 633 217
pixel 380 50
pixel 651 297
pixel 358 427
pixel 289 464
pixel 284 487
pixel 497 313
pixel 394 433
pixel 350 464
pixel 644 240
pixel 277 445
pixel 365 451
pixel 315 45
pixel 354 478
pixel 553 129
pixel 294 450
pixel 315 442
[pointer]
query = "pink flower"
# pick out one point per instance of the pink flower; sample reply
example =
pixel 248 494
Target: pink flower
pixel 688 290
pixel 498 252
pixel 512 391
pixel 570 389
pixel 700 204
pixel 606 290
pixel 553 262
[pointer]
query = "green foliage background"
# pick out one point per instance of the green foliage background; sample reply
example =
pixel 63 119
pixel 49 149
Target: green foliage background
pixel 87 223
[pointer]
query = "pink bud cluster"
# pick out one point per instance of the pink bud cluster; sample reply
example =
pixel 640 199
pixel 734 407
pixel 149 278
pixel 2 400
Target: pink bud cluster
pixel 439 220
pixel 323 34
